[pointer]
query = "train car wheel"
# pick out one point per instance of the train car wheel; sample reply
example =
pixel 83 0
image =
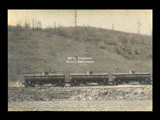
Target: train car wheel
pixel 78 84
pixel 53 84
pixel 117 82
pixel 40 83
pixel 100 83
pixel 148 81
pixel 142 82
pixel 56 84
pixel 71 84
pixel 32 84
pixel 114 82
pixel 62 84
pixel 26 85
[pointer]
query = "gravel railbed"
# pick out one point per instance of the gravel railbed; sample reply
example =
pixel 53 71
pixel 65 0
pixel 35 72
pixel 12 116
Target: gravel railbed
pixel 21 94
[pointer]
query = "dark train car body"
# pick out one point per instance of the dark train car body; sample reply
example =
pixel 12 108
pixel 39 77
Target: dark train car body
pixel 40 79
pixel 142 78
pixel 85 78
pixel 100 78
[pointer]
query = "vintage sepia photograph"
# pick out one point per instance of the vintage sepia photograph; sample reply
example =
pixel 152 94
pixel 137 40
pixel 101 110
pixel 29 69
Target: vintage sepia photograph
pixel 80 60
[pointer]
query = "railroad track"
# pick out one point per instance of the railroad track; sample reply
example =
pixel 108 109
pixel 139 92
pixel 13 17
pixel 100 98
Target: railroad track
pixel 78 87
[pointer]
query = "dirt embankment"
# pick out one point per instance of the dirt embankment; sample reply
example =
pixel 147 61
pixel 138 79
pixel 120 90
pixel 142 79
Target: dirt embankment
pixel 79 93
pixel 36 51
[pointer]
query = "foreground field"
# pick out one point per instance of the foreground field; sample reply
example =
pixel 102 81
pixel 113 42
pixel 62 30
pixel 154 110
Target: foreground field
pixel 83 98
pixel 73 105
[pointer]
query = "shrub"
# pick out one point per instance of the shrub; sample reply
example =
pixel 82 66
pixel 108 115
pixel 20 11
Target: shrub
pixel 137 51
pixel 102 47
pixel 15 28
pixel 61 32
pixel 118 50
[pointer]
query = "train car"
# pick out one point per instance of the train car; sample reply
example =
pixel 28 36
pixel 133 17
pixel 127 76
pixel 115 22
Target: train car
pixel 142 78
pixel 40 79
pixel 100 78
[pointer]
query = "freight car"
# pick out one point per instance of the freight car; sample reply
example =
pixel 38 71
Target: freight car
pixel 142 78
pixel 100 78
pixel 40 79
pixel 77 78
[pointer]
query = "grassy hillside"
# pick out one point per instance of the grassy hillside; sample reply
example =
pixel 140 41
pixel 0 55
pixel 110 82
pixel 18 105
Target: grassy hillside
pixel 33 51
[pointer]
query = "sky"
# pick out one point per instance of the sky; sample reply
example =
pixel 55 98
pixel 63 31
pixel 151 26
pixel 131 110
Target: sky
pixel 123 20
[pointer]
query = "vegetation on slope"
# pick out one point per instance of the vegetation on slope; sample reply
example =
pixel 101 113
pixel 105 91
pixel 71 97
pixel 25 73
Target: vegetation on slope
pixel 36 50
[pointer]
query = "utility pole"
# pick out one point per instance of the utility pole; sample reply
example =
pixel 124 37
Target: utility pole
pixel 76 20
pixel 75 15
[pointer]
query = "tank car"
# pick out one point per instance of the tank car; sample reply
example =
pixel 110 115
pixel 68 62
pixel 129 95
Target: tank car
pixel 142 78
pixel 40 79
pixel 100 78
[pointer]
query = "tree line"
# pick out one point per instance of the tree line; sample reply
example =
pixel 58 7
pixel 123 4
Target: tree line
pixel 34 25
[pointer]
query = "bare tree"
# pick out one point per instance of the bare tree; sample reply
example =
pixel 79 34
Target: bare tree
pixel 36 25
pixel 55 26
pixel 112 26
pixel 139 24
pixel 20 23
pixel 32 23
pixel 39 25
pixel 35 22
pixel 27 24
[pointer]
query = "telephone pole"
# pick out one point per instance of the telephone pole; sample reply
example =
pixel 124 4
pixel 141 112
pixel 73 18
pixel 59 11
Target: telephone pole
pixel 75 16
pixel 76 20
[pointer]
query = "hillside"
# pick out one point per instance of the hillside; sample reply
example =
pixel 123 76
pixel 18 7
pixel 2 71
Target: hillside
pixel 33 51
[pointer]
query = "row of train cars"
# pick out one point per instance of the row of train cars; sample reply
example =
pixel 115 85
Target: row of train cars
pixel 75 79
